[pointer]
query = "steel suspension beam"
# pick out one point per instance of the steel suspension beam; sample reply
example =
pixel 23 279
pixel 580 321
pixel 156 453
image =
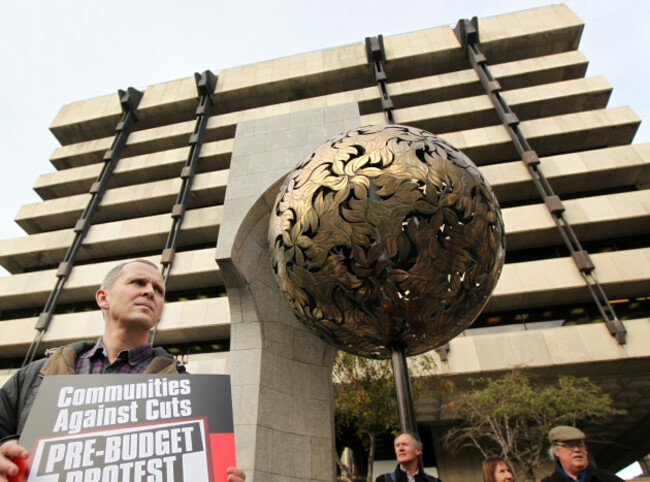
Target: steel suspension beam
pixel 467 32
pixel 205 85
pixel 377 56
pixel 129 100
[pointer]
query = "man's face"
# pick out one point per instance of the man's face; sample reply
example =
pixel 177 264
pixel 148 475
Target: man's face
pixel 405 449
pixel 572 455
pixel 135 298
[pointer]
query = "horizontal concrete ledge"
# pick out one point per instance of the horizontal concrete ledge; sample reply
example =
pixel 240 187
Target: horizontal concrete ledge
pixel 557 281
pixel 592 218
pixel 122 203
pixel 118 238
pixel 527 34
pixel 134 170
pixel 87 119
pixel 539 101
pixel 555 135
pixel 465 83
pixel 191 269
pixel 461 111
pixel 486 145
pixel 573 172
pixel 583 349
pixel 182 322
pixel 613 166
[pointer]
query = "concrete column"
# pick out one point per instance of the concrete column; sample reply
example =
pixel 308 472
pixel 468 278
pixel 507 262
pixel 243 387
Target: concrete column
pixel 280 371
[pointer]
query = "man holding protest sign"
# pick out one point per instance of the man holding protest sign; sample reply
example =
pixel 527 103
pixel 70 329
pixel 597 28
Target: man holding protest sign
pixel 131 298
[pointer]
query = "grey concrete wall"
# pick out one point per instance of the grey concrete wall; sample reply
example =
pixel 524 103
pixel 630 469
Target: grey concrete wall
pixel 281 373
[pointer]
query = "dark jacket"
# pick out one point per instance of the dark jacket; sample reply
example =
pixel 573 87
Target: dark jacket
pixel 17 395
pixel 594 475
pixel 400 476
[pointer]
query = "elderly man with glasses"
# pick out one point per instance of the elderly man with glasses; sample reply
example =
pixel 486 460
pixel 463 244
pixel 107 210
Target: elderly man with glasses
pixel 569 452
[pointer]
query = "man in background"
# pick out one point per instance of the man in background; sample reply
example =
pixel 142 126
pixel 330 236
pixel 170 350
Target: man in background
pixel 569 452
pixel 408 448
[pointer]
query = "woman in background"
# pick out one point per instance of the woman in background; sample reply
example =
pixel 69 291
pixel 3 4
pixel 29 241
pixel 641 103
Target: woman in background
pixel 497 469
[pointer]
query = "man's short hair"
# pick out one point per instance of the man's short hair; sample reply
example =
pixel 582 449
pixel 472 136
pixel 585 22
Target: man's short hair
pixel 415 437
pixel 115 271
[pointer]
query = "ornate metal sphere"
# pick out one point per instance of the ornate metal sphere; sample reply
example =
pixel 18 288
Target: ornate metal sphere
pixel 386 235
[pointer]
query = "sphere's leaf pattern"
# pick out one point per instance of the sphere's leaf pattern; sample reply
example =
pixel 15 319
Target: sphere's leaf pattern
pixel 386 235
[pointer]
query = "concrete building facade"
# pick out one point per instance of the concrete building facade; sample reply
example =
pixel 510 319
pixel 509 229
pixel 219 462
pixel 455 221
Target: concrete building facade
pixel 185 173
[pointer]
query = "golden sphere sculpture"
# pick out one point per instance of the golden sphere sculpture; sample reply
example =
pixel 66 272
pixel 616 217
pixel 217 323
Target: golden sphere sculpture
pixel 386 236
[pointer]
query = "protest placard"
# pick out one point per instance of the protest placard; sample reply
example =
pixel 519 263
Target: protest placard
pixel 153 428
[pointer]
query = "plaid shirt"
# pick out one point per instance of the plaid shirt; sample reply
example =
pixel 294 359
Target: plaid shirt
pixel 95 361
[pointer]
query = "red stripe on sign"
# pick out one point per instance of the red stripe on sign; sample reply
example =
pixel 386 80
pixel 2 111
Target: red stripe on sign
pixel 222 449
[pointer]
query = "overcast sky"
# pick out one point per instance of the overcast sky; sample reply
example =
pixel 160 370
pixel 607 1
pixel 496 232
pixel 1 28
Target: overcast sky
pixel 60 51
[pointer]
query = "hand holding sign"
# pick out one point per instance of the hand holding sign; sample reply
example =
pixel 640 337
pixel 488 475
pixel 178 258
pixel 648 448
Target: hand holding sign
pixel 236 475
pixel 13 460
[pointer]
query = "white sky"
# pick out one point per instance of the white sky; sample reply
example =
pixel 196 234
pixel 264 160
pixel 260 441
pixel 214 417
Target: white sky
pixel 630 472
pixel 55 52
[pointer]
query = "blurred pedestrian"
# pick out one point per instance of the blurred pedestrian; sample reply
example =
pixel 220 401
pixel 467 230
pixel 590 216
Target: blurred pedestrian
pixel 497 469
pixel 408 448
pixel 569 452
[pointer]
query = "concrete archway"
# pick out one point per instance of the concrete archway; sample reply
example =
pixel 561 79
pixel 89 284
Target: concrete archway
pixel 280 371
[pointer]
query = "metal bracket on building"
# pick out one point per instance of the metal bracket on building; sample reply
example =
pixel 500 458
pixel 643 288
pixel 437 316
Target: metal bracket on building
pixel 205 86
pixel 443 352
pixel 467 33
pixel 377 56
pixel 129 100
